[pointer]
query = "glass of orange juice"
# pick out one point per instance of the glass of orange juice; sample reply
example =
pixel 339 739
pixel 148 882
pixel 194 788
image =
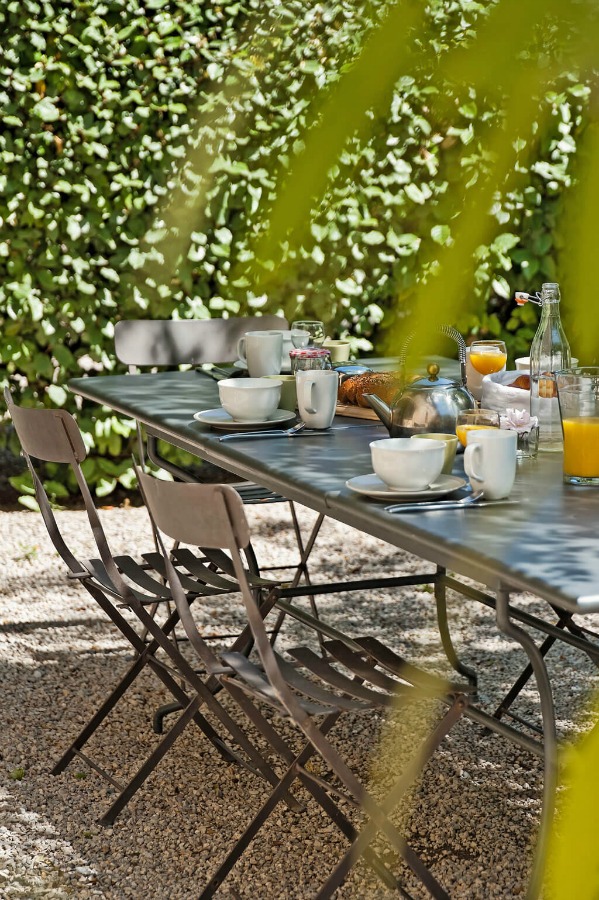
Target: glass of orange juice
pixel 472 419
pixel 488 356
pixel 578 396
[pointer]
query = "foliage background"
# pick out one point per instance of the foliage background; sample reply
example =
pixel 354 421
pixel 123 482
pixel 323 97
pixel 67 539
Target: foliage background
pixel 111 109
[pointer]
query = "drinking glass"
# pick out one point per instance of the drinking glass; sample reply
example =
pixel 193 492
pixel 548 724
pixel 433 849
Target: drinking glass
pixel 473 420
pixel 578 396
pixel 488 356
pixel 314 328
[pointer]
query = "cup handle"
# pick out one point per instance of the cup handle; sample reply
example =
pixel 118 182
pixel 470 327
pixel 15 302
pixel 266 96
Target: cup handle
pixel 309 385
pixel 469 457
pixel 241 349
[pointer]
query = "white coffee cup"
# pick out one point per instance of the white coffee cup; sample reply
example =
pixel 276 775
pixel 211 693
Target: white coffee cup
pixel 523 363
pixel 287 346
pixel 339 350
pixel 249 399
pixel 490 461
pixel 407 465
pixel 317 396
pixel 262 350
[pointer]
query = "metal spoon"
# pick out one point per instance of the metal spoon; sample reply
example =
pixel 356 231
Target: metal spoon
pixel 287 432
pixel 273 432
pixel 446 504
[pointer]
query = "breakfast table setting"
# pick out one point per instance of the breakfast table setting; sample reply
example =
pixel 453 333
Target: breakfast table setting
pixel 417 461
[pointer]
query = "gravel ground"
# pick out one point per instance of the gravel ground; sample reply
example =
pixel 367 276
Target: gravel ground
pixel 472 816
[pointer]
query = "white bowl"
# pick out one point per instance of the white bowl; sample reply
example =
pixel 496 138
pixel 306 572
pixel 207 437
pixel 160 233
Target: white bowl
pixel 250 399
pixel 523 363
pixel 406 464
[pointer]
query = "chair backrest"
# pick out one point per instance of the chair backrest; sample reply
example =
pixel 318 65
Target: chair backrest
pixel 51 435
pixel 167 342
pixel 202 515
pixel 211 515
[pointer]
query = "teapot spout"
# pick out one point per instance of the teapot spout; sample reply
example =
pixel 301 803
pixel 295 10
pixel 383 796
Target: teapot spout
pixel 382 409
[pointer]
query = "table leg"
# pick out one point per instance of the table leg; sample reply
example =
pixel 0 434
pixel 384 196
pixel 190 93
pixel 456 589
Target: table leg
pixel 509 629
pixel 443 626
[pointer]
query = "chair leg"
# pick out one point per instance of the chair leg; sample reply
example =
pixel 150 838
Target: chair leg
pixel 249 834
pixel 151 762
pixel 144 650
pixel 99 716
pixel 378 813
pixel 203 689
pixel 146 657
pixel 302 569
pixel 281 789
pixel 379 816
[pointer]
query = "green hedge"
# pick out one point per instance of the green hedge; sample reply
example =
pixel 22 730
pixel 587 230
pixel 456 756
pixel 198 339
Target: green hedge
pixel 104 105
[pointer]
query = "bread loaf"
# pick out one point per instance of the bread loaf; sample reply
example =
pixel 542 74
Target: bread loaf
pixel 384 384
pixel 522 382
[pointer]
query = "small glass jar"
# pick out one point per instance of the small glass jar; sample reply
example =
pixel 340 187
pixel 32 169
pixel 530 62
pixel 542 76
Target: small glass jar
pixel 309 358
pixel 528 443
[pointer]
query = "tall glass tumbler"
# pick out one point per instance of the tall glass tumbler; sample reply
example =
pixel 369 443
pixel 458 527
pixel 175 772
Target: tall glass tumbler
pixel 578 396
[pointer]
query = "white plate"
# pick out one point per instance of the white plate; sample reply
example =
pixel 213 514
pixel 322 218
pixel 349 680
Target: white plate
pixel 241 364
pixel 220 418
pixel 372 486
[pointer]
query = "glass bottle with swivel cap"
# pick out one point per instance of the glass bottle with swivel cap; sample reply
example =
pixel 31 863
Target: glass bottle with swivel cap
pixel 549 352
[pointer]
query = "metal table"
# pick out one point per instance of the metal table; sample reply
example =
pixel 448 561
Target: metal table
pixel 547 544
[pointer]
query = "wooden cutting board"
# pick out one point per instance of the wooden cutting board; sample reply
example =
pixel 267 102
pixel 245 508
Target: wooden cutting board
pixel 356 412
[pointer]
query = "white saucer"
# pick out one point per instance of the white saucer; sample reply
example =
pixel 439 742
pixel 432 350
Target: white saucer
pixel 220 418
pixel 241 364
pixel 372 486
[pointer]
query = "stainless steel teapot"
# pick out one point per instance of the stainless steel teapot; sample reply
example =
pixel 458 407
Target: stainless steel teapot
pixel 429 404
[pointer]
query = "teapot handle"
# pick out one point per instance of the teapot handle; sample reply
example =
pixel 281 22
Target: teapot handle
pixel 449 332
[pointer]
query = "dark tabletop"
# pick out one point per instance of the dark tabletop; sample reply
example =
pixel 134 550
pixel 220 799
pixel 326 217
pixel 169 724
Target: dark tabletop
pixel 548 543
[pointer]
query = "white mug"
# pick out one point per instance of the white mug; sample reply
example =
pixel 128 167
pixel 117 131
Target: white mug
pixel 317 396
pixel 287 346
pixel 490 461
pixel 262 350
pixel 339 349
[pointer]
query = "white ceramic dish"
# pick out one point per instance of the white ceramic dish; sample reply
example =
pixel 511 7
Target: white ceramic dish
pixel 241 364
pixel 523 363
pixel 407 465
pixel 372 486
pixel 250 399
pixel 220 418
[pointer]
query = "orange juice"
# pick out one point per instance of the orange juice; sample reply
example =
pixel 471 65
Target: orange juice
pixel 462 431
pixel 581 446
pixel 488 361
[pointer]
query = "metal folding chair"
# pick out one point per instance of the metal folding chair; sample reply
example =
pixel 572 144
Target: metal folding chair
pixel 146 343
pixel 359 675
pixel 120 584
